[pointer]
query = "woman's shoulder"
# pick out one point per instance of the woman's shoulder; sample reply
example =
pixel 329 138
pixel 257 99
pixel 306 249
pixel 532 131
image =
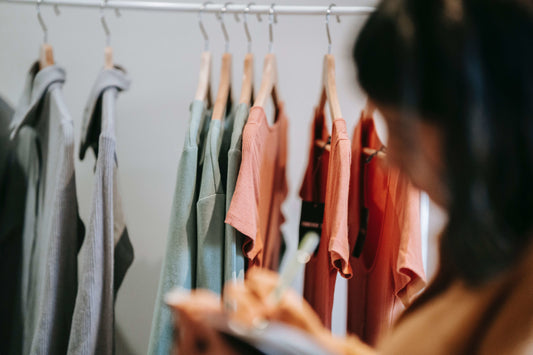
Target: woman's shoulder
pixel 511 329
pixel 496 318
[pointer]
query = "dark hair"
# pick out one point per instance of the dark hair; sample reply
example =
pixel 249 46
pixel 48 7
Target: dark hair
pixel 466 67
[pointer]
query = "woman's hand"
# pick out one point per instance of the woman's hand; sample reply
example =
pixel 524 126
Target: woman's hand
pixel 252 303
pixel 193 333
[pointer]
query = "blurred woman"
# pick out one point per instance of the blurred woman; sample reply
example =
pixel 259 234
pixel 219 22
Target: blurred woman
pixel 454 81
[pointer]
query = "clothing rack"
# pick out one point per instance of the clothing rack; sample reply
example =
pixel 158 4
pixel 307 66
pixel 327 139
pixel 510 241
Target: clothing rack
pixel 207 8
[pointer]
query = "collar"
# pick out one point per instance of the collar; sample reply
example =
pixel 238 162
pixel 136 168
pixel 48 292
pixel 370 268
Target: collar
pixel 107 79
pixel 37 84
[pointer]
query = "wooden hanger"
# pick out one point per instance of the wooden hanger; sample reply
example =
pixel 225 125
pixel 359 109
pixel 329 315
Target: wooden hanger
pixel 203 91
pixel 46 56
pixel 369 109
pixel 329 94
pixel 46 53
pixel 224 88
pixel 224 85
pixel 269 82
pixel 247 87
pixel 108 51
pixel 329 88
pixel 368 113
pixel 108 57
pixel 376 152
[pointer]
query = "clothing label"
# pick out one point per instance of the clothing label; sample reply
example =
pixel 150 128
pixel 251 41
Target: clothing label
pixel 311 218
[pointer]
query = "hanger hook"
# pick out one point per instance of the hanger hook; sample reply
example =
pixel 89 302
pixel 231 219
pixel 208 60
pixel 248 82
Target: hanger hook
pixel 328 13
pixel 259 18
pixel 272 19
pixel 201 24
pixel 103 20
pixel 246 29
pixel 220 16
pixel 41 22
pixel 237 19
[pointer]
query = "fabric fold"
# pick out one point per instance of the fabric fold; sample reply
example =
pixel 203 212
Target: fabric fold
pixel 107 252
pixel 52 232
pixel 389 271
pixel 326 182
pixel 261 189
pixel 179 264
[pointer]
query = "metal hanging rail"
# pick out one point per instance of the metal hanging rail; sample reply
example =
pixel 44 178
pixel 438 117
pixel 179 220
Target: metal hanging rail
pixel 209 7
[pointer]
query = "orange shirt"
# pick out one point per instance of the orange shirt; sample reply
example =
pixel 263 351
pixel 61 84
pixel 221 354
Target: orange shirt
pixel 326 181
pixel 389 272
pixel 255 208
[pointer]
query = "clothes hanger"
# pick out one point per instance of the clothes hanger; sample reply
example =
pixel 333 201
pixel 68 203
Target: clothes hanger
pixel 369 109
pixel 368 113
pixel 203 91
pixel 46 52
pixel 269 80
pixel 329 88
pixel 224 86
pixel 108 51
pixel 371 153
pixel 247 87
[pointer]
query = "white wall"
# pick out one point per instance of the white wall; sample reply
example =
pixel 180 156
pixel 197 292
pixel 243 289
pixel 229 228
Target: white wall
pixel 161 52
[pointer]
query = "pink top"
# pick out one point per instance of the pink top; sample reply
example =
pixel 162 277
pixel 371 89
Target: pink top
pixel 389 271
pixel 326 180
pixel 255 208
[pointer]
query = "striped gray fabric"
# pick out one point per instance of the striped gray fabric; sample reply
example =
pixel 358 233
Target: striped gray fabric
pixel 52 230
pixel 107 252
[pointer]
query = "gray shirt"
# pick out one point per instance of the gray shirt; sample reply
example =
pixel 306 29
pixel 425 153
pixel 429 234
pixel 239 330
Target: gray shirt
pixel 107 252
pixel 179 265
pixel 211 206
pixel 234 264
pixel 52 230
